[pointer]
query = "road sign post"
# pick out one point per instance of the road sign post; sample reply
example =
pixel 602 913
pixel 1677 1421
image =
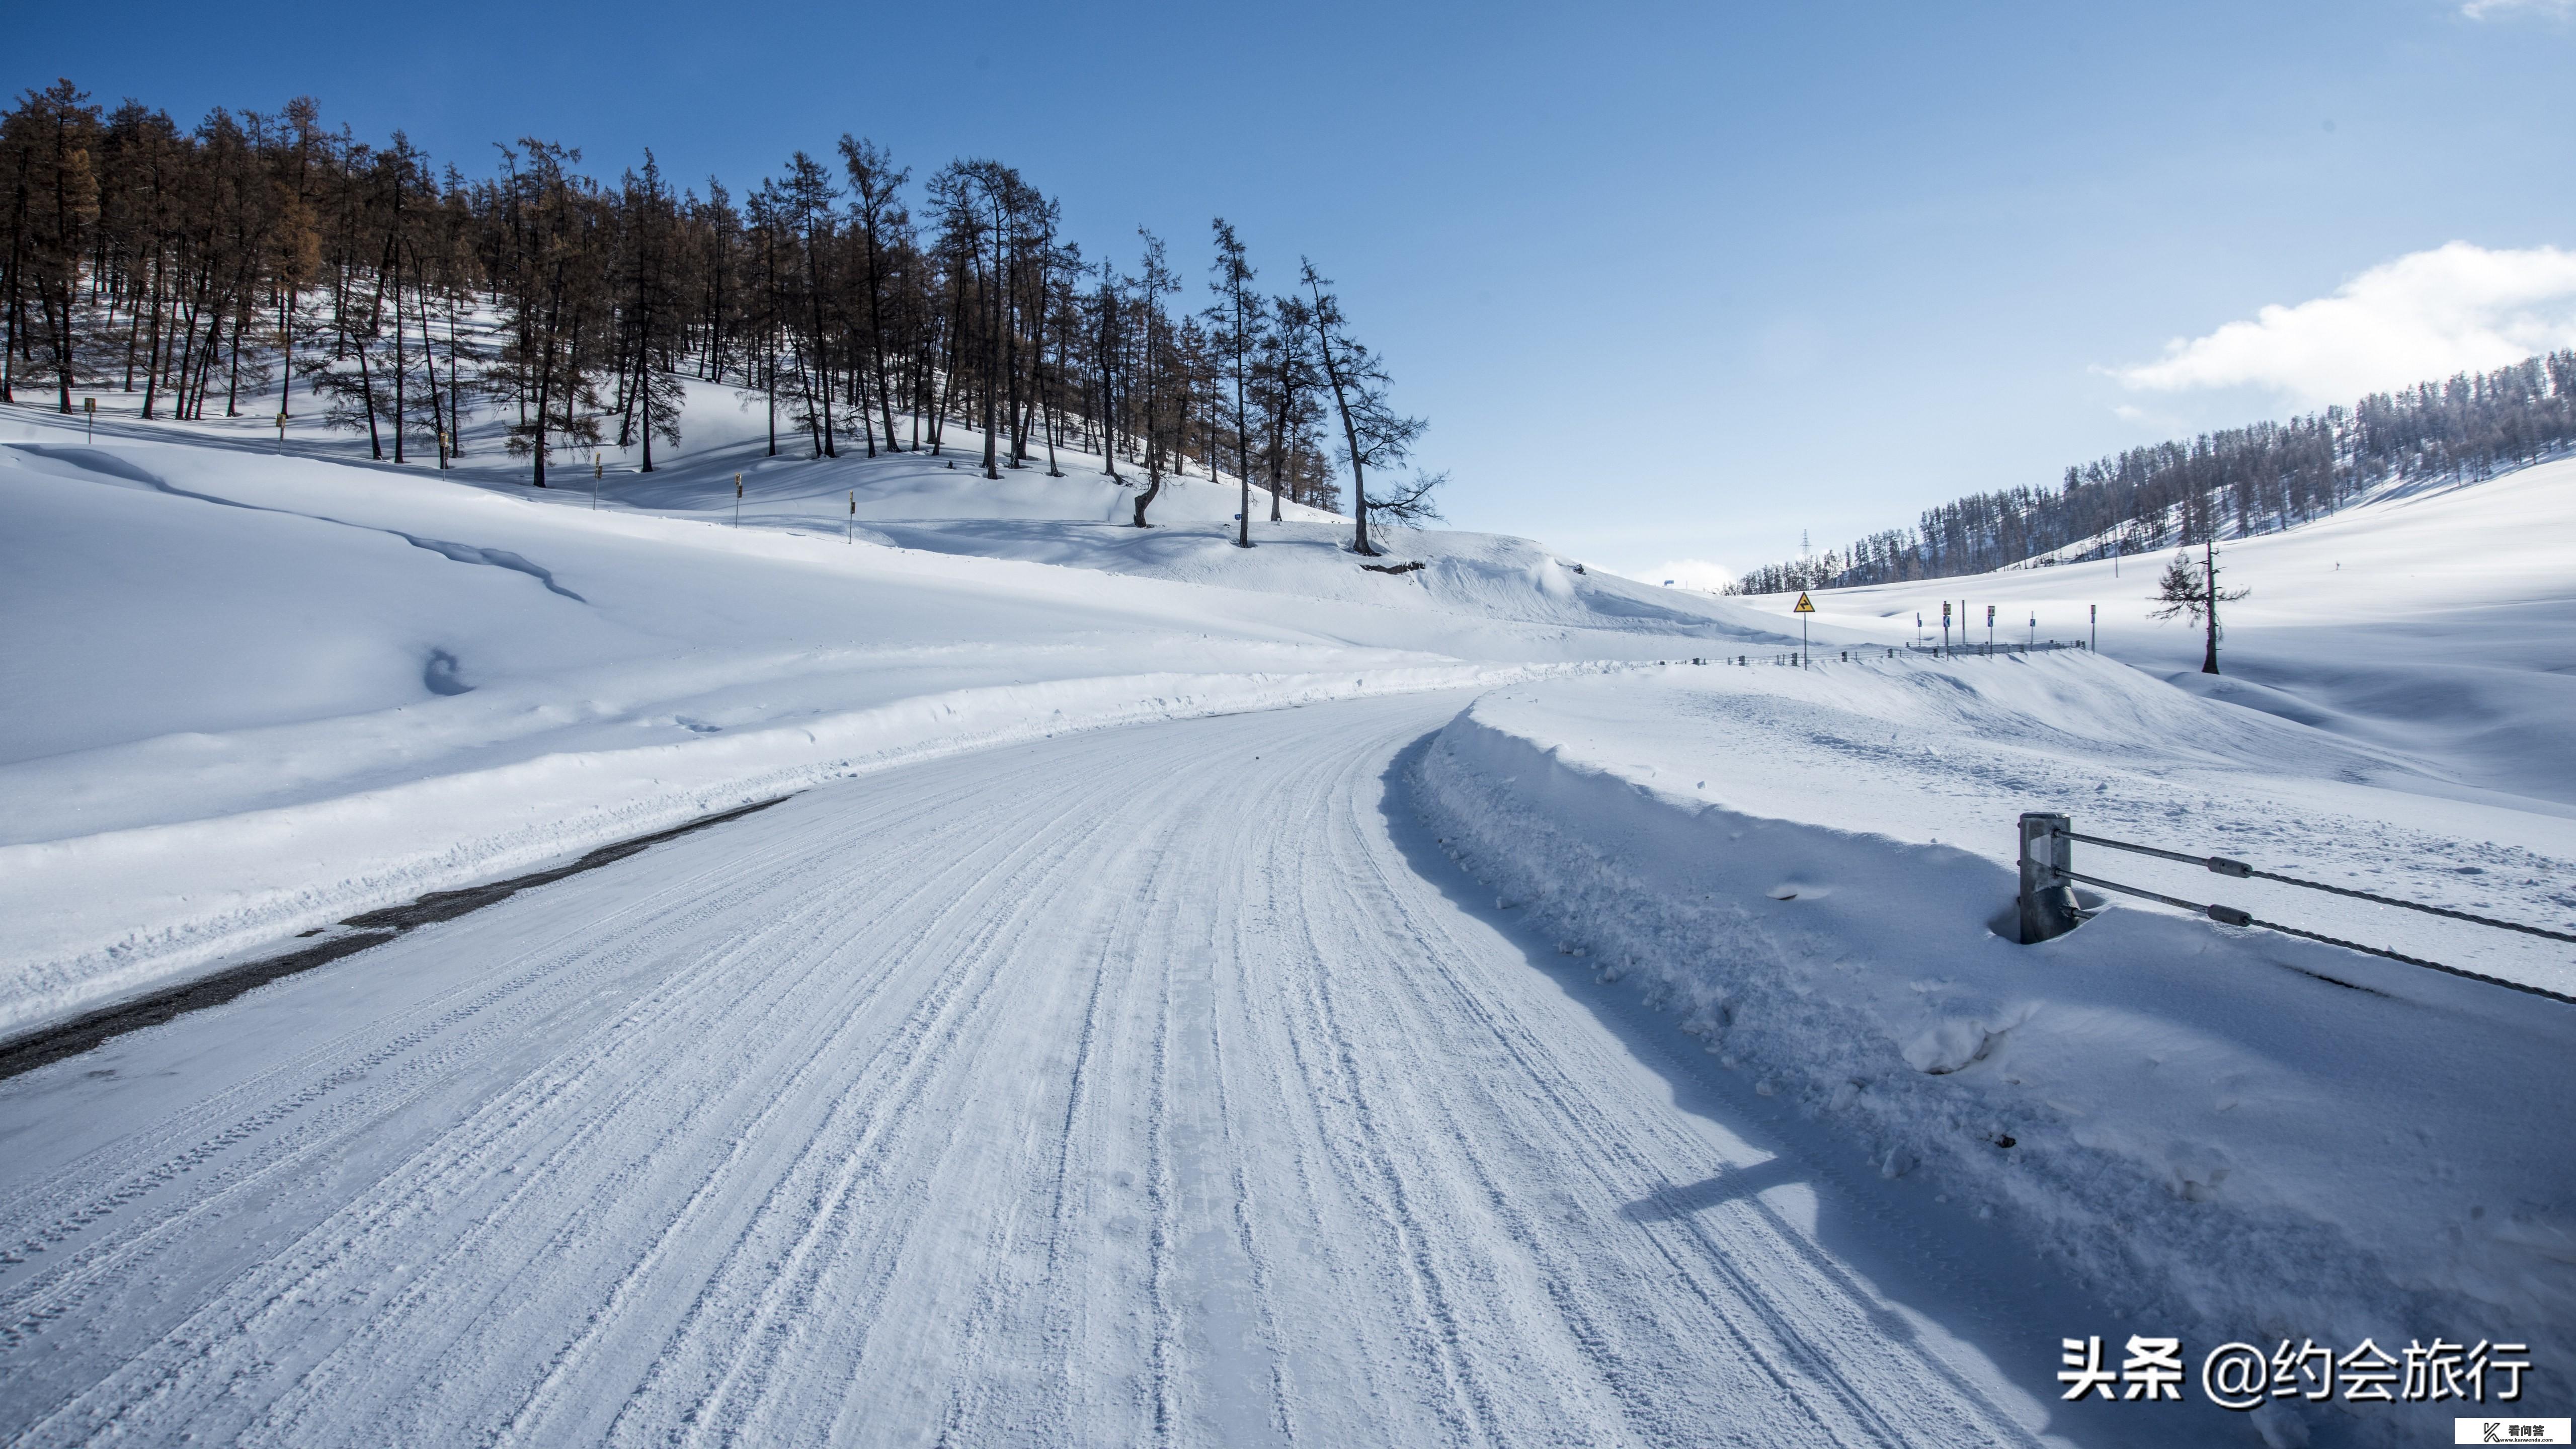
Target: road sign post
pixel 1945 626
pixel 1805 607
pixel 1990 628
pixel 89 414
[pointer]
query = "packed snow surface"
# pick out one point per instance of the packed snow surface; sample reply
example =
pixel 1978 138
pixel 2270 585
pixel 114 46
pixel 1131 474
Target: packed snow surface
pixel 1150 1085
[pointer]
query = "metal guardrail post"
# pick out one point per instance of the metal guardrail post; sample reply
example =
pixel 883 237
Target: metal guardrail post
pixel 2048 907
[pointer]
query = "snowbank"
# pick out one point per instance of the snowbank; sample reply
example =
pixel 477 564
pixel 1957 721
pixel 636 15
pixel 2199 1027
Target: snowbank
pixel 2236 1135
pixel 104 916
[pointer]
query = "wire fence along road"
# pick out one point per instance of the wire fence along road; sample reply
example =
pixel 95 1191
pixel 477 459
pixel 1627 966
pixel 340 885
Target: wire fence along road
pixel 1993 647
pixel 2049 909
pixel 1794 659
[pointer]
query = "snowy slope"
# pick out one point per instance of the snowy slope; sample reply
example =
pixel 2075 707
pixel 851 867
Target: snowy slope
pixel 2438 622
pixel 2233 1135
pixel 259 692
pixel 941 502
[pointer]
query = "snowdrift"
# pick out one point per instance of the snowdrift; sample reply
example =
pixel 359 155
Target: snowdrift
pixel 2236 1135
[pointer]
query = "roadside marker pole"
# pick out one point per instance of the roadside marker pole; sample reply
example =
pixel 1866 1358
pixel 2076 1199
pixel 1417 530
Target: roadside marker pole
pixel 89 413
pixel 2096 623
pixel 598 470
pixel 281 435
pixel 1990 628
pixel 737 500
pixel 1805 607
pixel 850 525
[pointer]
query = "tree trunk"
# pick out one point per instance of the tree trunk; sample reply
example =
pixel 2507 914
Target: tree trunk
pixel 876 346
pixel 1351 439
pixel 401 399
pixel 286 347
pixel 62 331
pixel 232 375
pixel 152 352
pixel 2209 574
pixel 1278 450
pixel 545 395
pixel 455 389
pixel 993 356
pixel 814 278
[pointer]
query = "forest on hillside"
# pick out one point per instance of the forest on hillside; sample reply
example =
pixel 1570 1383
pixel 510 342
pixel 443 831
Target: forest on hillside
pixel 230 265
pixel 2233 482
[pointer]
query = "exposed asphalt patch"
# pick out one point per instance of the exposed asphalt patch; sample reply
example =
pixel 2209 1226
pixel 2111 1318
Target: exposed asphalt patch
pixel 372 928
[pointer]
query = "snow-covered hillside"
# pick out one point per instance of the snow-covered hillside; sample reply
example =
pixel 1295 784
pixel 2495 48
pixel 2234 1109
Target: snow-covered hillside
pixel 2235 1134
pixel 255 692
pixel 2437 622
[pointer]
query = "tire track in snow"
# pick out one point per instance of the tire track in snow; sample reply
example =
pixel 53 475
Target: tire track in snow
pixel 752 1334
pixel 712 909
pixel 819 1135
pixel 241 1320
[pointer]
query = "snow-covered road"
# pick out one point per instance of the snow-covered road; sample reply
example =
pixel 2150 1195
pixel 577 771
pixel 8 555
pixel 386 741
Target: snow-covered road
pixel 1152 1085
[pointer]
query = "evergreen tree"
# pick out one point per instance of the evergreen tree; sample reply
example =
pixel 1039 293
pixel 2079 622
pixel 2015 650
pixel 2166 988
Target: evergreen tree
pixel 2192 589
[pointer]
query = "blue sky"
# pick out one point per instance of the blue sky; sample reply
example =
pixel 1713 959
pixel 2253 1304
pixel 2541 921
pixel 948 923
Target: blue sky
pixel 1670 281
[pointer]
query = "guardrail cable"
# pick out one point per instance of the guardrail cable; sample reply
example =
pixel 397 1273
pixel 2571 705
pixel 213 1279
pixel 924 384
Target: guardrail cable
pixel 2221 865
pixel 2037 871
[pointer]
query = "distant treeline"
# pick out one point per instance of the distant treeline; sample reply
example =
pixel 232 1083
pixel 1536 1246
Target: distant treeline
pixel 218 267
pixel 2237 481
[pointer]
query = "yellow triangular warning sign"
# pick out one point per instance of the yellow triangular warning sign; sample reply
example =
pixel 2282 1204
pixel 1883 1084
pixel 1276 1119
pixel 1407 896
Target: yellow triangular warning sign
pixel 1804 605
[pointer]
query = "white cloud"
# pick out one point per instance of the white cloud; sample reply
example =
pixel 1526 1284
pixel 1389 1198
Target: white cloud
pixel 1690 573
pixel 2481 9
pixel 2425 315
